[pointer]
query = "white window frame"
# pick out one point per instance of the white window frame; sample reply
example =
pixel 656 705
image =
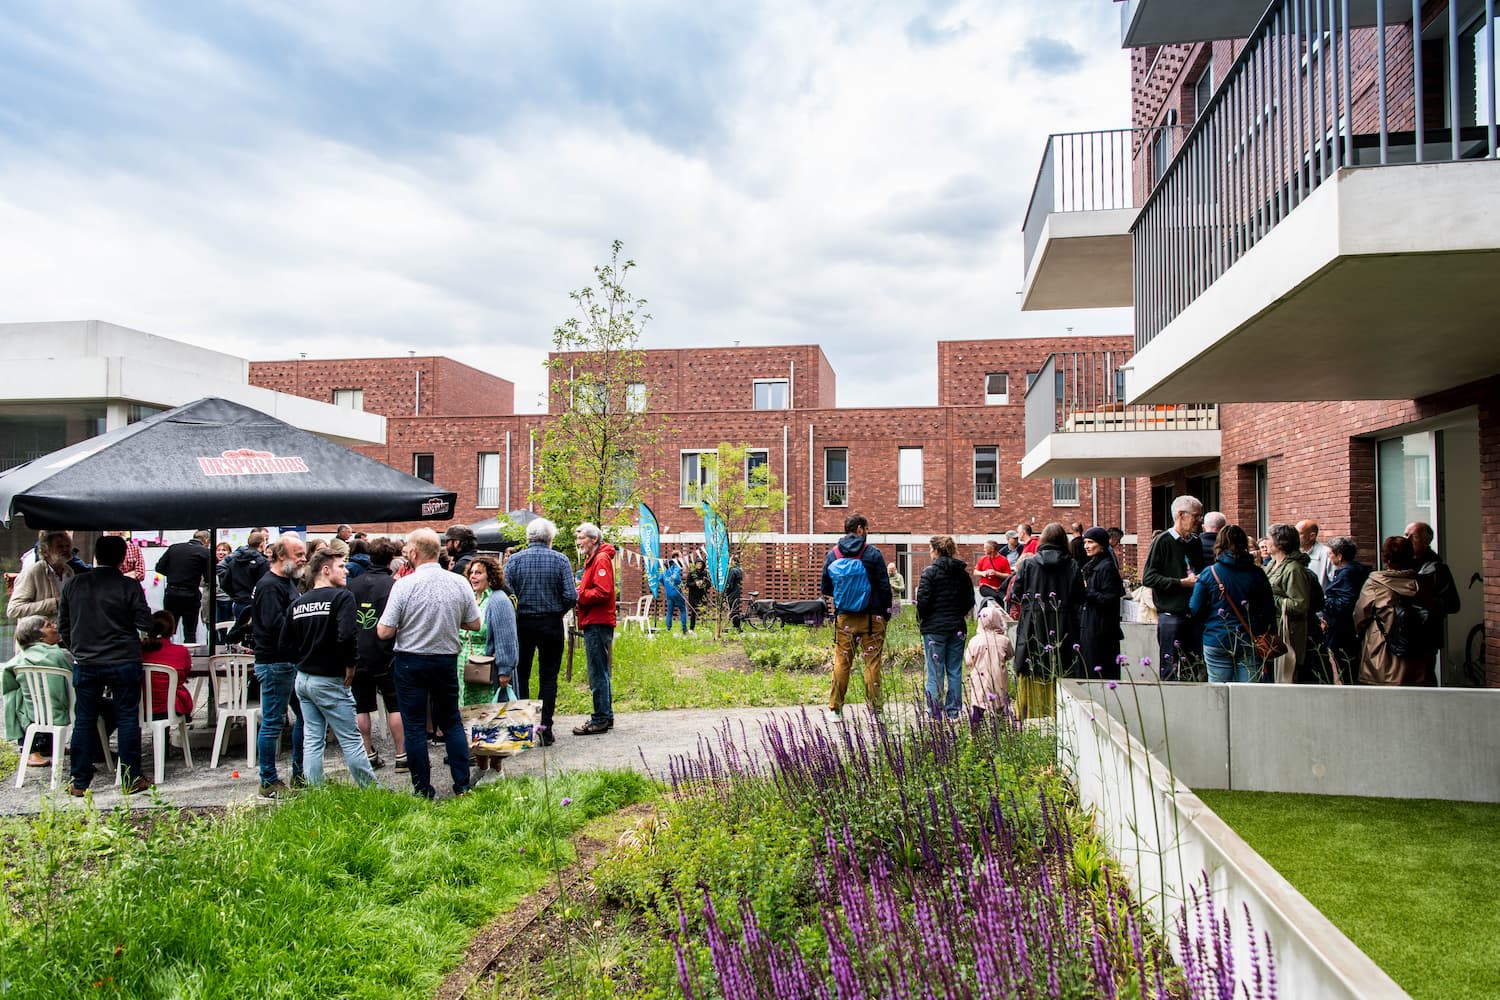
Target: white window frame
pixel 590 398
pixel 1060 498
pixel 705 483
pixel 770 396
pixel 493 463
pixel 992 398
pixel 909 490
pixel 416 464
pixel 349 399
pixel 635 397
pixel 989 502
pixel 844 482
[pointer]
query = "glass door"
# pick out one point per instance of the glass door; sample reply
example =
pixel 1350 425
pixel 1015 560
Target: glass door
pixel 1406 487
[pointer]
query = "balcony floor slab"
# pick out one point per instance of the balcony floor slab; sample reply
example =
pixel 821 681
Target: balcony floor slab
pixel 1118 453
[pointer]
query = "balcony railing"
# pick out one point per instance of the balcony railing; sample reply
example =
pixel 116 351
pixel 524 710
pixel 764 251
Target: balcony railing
pixel 986 494
pixel 909 495
pixel 1309 94
pixel 835 494
pixel 487 496
pixel 1084 392
pixel 1092 172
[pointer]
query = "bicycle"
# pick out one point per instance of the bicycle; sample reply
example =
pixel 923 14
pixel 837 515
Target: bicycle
pixel 760 615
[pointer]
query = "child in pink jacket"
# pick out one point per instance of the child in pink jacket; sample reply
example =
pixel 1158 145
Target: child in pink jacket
pixel 986 657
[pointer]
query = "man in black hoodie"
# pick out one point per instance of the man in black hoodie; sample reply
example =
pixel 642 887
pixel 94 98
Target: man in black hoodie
pixel 274 665
pixel 854 575
pixel 372 655
pixel 242 570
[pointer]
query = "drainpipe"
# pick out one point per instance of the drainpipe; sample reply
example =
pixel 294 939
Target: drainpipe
pixel 1094 492
pixel 419 392
pixel 507 472
pixel 1122 508
pixel 791 385
pixel 786 512
pixel 531 472
pixel 810 479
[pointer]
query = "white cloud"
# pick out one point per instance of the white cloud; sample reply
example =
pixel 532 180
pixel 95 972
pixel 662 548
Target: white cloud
pixel 844 186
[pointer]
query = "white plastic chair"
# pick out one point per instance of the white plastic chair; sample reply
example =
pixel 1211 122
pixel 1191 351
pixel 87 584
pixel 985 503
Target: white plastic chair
pixel 160 727
pixel 34 679
pixel 642 617
pixel 231 684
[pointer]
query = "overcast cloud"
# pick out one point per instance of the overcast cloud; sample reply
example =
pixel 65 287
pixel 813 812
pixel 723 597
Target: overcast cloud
pixel 351 179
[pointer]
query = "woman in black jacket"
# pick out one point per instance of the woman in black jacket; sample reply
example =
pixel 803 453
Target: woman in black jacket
pixel 945 597
pixel 1049 590
pixel 1099 620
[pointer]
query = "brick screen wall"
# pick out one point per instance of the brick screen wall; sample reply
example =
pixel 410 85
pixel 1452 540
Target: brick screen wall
pixel 390 386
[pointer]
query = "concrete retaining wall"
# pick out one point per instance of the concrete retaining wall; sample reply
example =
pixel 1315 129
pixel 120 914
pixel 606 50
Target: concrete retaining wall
pixel 1166 838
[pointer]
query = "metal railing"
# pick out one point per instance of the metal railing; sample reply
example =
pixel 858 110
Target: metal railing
pixel 986 494
pixel 909 495
pixel 1310 93
pixel 487 496
pixel 1090 172
pixel 1084 392
pixel 835 494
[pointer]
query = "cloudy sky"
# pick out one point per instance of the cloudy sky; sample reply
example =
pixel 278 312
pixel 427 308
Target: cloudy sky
pixel 362 179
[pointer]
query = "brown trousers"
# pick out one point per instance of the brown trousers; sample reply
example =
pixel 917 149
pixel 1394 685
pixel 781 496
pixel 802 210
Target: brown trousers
pixel 868 633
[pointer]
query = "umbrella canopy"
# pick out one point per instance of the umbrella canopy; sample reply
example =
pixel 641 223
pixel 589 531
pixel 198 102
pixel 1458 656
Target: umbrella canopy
pixel 211 463
pixel 489 537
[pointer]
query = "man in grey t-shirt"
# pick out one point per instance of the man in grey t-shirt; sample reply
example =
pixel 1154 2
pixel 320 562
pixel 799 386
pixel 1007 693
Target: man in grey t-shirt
pixel 423 614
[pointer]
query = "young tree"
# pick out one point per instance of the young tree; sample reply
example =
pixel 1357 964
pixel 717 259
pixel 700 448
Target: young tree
pixel 587 462
pixel 742 488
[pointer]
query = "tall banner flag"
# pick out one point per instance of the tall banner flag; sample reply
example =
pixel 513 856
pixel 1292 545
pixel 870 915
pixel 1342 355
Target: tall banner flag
pixel 651 546
pixel 716 545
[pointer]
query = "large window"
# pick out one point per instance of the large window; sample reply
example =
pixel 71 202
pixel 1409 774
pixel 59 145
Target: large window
pixel 1262 501
pixel 1403 477
pixel 349 399
pixel 771 394
pixel 996 389
pixel 1065 492
pixel 421 467
pixel 700 476
pixel 590 398
pixel 624 477
pixel 987 476
pixel 635 397
pixel 757 476
pixel 1203 89
pixel 835 477
pixel 909 477
pixel 489 480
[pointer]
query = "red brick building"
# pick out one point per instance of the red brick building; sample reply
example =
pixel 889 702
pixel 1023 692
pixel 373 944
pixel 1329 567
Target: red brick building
pixel 1295 232
pixel 912 471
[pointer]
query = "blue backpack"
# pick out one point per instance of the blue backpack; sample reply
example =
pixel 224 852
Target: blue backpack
pixel 851 581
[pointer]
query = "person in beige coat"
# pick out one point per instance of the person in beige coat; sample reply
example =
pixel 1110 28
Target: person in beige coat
pixel 39 588
pixel 986 657
pixel 1375 611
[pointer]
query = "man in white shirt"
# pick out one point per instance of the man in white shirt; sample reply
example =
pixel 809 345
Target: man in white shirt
pixel 1319 556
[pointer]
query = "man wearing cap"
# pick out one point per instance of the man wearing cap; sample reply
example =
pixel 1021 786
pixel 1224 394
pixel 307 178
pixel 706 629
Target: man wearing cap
pixel 1011 550
pixel 461 545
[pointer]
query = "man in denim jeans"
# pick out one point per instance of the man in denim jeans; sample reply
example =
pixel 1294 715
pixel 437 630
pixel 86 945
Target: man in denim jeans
pixel 423 614
pixel 596 616
pixel 269 601
pixel 100 617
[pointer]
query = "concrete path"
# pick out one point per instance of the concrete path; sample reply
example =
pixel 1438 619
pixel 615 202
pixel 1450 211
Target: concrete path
pixel 639 741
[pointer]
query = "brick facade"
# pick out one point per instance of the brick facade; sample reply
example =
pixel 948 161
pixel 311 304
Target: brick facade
pixel 391 386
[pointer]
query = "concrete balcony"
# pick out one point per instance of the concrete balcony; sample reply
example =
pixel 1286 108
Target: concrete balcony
pixel 1285 256
pixel 1169 22
pixel 1077 230
pixel 1077 424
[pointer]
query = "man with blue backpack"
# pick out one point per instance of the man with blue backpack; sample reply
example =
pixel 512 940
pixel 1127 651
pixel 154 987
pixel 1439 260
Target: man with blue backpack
pixel 854 575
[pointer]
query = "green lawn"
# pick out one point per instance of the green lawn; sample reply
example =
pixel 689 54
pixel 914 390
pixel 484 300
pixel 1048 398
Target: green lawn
pixel 1414 883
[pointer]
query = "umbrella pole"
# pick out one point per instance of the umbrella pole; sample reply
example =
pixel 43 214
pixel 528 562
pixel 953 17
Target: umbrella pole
pixel 213 587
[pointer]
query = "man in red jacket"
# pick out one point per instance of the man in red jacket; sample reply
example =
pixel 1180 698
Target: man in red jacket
pixel 596 616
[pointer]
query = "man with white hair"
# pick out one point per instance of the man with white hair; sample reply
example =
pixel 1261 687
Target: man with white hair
pixel 1212 523
pixel 39 587
pixel 596 617
pixel 1171 571
pixel 423 614
pixel 542 580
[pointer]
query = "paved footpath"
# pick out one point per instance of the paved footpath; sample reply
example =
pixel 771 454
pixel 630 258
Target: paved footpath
pixel 639 741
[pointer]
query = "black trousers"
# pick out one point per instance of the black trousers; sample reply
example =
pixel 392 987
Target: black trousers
pixel 186 608
pixel 540 637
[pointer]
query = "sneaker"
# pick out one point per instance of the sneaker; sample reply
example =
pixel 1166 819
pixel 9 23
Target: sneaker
pixel 274 789
pixel 76 792
pixel 141 784
pixel 298 782
pixel 544 736
pixel 401 763
pixel 833 715
pixel 376 761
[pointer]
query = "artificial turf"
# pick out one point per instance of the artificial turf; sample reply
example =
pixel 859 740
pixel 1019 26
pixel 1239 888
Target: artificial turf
pixel 1415 883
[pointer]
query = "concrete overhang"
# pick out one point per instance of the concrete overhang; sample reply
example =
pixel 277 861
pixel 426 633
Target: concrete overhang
pixel 1118 453
pixel 1170 22
pixel 1081 261
pixel 1381 285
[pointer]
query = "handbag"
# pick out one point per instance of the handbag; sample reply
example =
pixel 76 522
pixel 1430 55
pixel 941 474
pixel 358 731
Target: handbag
pixel 479 670
pixel 1268 645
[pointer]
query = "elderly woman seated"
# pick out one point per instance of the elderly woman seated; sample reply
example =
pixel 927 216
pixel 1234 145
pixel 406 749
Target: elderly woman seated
pixel 38 639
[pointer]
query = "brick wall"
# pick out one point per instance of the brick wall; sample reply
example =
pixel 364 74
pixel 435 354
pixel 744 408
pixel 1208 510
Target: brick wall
pixel 700 379
pixel 390 385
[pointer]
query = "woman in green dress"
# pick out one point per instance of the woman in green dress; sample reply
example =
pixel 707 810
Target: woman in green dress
pixel 484 575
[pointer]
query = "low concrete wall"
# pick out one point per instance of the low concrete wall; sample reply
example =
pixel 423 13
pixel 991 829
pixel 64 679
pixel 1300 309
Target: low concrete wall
pixel 1167 839
pixel 1404 743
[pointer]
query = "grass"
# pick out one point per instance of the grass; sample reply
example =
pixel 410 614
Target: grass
pixel 791 666
pixel 336 893
pixel 1414 883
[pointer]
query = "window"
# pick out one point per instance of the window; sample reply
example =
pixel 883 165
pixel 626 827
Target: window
pixel 987 476
pixel 635 397
pixel 1065 492
pixel 1206 489
pixel 589 397
pixel 421 467
pixel 835 477
pixel 909 477
pixel 1161 154
pixel 757 476
pixel 1203 89
pixel 1031 379
pixel 1262 501
pixel 770 393
pixel 624 478
pixel 349 399
pixel 489 480
pixel 1119 385
pixel 996 389
pixel 699 476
